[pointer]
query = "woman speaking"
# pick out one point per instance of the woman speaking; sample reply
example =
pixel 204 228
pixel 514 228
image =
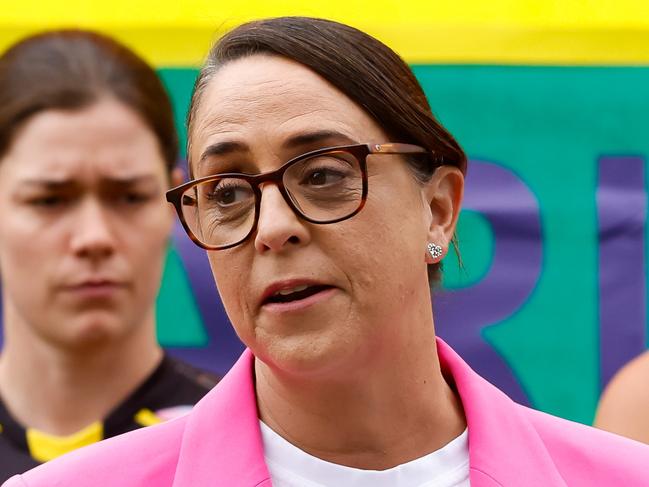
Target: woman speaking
pixel 326 194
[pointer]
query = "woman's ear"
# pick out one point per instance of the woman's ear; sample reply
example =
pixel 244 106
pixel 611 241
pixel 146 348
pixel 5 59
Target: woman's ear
pixel 443 194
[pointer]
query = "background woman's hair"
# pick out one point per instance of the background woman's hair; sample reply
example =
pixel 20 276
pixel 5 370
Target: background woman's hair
pixel 366 70
pixel 70 70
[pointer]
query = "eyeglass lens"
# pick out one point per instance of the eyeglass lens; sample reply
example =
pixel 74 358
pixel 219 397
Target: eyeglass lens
pixel 321 188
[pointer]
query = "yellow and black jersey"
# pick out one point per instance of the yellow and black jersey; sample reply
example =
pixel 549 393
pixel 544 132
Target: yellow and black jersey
pixel 172 389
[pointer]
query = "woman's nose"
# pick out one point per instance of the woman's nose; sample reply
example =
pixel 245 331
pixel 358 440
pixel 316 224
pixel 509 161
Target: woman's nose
pixel 92 236
pixel 278 227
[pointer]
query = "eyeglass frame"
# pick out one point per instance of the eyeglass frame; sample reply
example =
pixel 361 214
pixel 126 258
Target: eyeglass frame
pixel 359 151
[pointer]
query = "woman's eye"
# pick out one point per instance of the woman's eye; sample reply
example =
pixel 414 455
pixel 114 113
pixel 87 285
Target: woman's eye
pixel 322 177
pixel 226 196
pixel 48 201
pixel 134 198
pixel 230 195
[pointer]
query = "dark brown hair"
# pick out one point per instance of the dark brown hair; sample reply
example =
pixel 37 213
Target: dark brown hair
pixel 71 69
pixel 364 69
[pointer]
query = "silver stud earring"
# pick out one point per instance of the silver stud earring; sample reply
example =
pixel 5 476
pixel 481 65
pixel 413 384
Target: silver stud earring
pixel 435 251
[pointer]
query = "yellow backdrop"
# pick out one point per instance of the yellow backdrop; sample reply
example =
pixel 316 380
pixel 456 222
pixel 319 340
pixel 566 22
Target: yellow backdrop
pixel 177 32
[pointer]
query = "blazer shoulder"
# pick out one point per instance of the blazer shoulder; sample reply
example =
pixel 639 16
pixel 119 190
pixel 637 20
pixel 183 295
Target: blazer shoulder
pixel 588 456
pixel 147 456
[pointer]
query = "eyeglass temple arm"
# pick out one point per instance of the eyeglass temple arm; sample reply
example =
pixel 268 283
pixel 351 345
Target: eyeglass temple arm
pixel 396 148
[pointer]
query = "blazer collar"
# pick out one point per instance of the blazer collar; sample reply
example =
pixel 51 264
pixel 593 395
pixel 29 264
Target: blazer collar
pixel 222 444
pixel 504 447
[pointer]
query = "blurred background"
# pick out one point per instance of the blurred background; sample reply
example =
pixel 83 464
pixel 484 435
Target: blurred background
pixel 550 100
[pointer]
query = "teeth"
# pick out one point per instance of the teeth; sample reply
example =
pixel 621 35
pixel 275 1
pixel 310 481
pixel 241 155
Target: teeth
pixel 286 292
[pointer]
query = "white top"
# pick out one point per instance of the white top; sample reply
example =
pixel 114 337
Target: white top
pixel 291 467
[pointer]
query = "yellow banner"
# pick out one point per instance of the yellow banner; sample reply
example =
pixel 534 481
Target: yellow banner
pixel 178 33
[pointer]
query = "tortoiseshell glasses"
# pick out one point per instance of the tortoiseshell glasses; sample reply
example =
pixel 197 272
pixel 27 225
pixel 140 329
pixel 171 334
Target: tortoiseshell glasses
pixel 323 186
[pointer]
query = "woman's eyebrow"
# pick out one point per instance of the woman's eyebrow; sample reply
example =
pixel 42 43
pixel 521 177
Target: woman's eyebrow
pixel 144 178
pixel 222 148
pixel 304 139
pixel 318 136
pixel 48 183
pixel 55 184
pixel 129 182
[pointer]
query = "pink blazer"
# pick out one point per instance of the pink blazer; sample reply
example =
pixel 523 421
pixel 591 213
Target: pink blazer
pixel 219 444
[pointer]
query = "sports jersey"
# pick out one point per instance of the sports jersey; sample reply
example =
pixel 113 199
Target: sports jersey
pixel 171 390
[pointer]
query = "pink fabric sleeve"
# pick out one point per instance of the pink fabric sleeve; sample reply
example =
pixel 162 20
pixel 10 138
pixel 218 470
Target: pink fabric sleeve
pixel 15 481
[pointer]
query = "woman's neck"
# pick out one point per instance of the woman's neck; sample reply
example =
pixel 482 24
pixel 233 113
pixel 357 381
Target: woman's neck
pixel 395 411
pixel 60 391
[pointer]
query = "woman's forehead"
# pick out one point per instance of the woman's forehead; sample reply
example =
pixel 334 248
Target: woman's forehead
pixel 66 144
pixel 268 94
pixel 245 79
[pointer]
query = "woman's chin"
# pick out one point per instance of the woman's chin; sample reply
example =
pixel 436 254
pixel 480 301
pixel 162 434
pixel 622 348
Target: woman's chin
pixel 90 331
pixel 308 355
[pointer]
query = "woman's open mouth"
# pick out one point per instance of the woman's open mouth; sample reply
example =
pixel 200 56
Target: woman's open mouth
pixel 293 297
pixel 298 292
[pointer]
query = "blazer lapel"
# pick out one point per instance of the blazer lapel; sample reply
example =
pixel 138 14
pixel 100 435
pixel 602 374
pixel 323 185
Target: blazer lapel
pixel 222 445
pixel 504 448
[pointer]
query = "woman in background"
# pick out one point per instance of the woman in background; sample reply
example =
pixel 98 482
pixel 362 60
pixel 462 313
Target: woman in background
pixel 327 194
pixel 624 405
pixel 87 150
